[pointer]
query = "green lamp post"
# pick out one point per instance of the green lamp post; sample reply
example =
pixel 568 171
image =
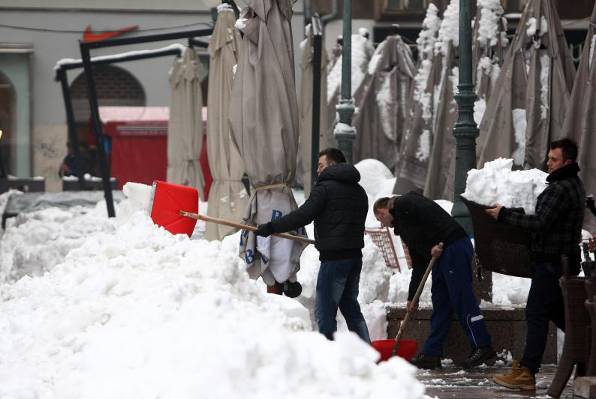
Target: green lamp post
pixel 466 130
pixel 344 132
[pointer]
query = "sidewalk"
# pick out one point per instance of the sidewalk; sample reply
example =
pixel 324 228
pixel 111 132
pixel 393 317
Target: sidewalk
pixel 453 382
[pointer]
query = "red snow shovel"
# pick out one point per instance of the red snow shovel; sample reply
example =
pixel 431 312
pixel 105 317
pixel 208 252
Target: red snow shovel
pixel 407 347
pixel 175 208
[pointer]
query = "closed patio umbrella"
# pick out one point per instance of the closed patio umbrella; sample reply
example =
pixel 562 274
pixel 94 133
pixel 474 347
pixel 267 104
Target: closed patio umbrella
pixel 489 42
pixel 383 110
pixel 264 122
pixel 580 121
pixel 527 108
pixel 443 142
pixel 415 146
pixel 228 198
pixel 185 127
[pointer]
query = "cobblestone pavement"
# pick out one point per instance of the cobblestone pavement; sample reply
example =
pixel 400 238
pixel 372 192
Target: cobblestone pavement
pixel 453 382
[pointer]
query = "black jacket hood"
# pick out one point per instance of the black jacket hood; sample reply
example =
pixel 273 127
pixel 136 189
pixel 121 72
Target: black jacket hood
pixel 342 172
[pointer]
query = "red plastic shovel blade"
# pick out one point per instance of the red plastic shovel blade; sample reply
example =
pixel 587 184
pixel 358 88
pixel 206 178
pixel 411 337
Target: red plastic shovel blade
pixel 168 200
pixel 406 349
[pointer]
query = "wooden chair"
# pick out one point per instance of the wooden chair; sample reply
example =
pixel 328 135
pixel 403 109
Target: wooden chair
pixel 576 321
pixel 590 305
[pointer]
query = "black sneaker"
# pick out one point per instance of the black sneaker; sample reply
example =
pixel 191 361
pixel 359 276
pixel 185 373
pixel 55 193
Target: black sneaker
pixel 480 355
pixel 423 361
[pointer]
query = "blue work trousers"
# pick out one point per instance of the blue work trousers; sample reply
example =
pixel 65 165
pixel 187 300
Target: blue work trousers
pixel 452 290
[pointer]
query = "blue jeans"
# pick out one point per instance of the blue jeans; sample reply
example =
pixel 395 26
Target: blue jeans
pixel 452 290
pixel 337 286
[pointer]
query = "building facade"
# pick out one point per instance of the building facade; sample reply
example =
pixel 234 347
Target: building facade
pixel 36 34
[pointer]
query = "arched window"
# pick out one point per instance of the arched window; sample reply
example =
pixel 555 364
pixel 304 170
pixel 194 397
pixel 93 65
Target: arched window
pixel 115 87
pixel 7 124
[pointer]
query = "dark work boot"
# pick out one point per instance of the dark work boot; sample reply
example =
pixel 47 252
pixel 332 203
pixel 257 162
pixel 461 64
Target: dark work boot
pixel 479 356
pixel 423 361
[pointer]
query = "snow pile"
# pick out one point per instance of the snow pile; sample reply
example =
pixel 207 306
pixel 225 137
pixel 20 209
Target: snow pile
pixel 136 312
pixel 35 242
pixel 428 34
pixel 509 290
pixel 378 181
pixel 497 183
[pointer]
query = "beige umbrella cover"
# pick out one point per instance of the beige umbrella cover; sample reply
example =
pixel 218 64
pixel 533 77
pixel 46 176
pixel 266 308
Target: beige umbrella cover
pixel 185 127
pixel 416 146
pixel 580 121
pixel 384 105
pixel 264 122
pixel 306 107
pixel 228 198
pixel 488 47
pixel 528 107
pixel 437 181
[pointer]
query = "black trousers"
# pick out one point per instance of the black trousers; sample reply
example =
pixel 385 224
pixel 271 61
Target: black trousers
pixel 545 303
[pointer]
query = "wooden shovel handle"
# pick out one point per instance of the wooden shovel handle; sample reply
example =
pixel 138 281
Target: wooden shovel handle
pixel 225 222
pixel 402 326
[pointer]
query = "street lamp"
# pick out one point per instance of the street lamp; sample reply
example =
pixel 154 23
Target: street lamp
pixel 466 130
pixel 344 132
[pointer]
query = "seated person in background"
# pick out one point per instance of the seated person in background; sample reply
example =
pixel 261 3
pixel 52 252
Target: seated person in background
pixel 72 165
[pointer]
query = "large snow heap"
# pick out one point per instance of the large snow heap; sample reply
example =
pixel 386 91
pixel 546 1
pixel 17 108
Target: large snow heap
pixel 130 311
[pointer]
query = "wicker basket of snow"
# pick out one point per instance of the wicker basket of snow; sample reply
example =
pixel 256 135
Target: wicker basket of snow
pixel 501 248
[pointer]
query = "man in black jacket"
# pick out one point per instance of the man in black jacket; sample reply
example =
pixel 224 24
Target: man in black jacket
pixel 428 230
pixel 338 206
pixel 556 230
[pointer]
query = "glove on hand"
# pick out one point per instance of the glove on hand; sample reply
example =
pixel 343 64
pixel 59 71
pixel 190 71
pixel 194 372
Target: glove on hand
pixel 264 230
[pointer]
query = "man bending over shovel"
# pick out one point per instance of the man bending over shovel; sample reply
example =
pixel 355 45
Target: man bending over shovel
pixel 423 225
pixel 338 206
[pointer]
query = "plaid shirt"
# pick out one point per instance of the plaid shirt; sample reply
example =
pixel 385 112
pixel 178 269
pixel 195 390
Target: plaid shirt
pixel 557 223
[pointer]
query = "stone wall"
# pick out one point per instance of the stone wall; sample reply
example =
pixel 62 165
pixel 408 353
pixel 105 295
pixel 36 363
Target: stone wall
pixel 507 328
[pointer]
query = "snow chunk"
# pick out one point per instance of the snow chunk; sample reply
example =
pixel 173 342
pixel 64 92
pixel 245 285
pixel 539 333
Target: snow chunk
pixel 423 151
pixel 449 30
pixel 497 183
pixel 429 32
pixel 545 66
pixel 531 27
pixel 490 16
pixel 592 47
pixel 519 127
